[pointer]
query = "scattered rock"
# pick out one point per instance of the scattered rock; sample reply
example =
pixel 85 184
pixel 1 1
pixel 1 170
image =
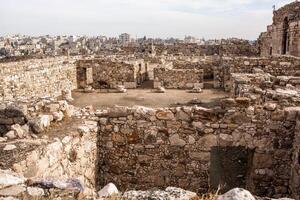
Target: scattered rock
pixel 14 190
pixel 67 95
pixel 9 147
pixel 160 89
pixel 35 191
pixel 19 132
pixel 10 135
pixel 83 129
pixel 3 139
pixel 121 89
pixel 236 194
pixel 88 89
pixel 58 116
pixel 169 193
pixel 110 190
pixel 196 89
pixel 40 123
pixel 47 183
pixel 9 178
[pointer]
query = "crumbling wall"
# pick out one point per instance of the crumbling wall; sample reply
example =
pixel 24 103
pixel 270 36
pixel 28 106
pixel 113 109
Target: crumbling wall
pixel 36 78
pixel 230 47
pixel 178 78
pixel 295 176
pixel 206 65
pixel 69 157
pixel 283 36
pixel 107 73
pixel 276 66
pixel 144 148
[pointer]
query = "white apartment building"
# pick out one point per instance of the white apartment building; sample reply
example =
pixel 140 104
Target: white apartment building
pixel 124 38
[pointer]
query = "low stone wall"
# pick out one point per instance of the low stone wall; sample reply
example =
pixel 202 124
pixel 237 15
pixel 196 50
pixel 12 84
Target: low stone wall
pixel 36 78
pixel 206 65
pixel 178 78
pixel 197 148
pixel 276 66
pixel 110 74
pixel 69 157
pixel 262 87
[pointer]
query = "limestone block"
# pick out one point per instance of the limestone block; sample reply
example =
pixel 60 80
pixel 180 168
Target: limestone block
pixel 110 190
pixel 236 194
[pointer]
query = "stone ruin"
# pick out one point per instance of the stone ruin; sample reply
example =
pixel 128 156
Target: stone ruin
pixel 52 149
pixel 249 140
pixel 283 36
pixel 100 73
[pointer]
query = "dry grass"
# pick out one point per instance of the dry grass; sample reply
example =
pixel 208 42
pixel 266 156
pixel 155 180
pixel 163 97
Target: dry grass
pixel 209 196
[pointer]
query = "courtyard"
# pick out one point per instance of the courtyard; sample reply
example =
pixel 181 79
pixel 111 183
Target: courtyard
pixel 144 97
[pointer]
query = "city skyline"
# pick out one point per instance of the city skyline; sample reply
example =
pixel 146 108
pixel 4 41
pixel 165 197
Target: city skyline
pixel 211 19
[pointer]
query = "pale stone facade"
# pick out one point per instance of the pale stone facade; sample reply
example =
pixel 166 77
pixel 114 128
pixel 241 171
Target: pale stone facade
pixel 283 36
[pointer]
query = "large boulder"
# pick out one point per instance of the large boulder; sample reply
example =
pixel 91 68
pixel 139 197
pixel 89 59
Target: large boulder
pixel 236 194
pixel 171 193
pixel 9 178
pixel 160 89
pixel 62 184
pixel 109 191
pixel 121 89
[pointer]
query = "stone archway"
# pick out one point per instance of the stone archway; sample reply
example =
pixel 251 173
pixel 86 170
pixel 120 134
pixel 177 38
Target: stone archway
pixel 285 37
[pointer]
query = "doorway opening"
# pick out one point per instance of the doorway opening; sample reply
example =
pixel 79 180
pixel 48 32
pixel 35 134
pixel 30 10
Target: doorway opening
pixel 285 39
pixel 230 167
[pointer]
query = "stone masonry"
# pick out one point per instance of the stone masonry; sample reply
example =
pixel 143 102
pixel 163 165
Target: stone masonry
pixel 37 78
pixel 283 36
pixel 143 148
pixel 106 73
pixel 178 78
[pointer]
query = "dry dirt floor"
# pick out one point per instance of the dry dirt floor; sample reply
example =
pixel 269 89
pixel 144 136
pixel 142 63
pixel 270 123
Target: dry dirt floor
pixel 145 97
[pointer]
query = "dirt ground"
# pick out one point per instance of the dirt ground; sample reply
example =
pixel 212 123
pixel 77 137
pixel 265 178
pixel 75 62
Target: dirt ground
pixel 144 97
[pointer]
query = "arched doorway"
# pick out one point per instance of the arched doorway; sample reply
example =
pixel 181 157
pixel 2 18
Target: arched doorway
pixel 285 38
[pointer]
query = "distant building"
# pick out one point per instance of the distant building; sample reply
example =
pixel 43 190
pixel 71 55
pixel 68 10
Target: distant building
pixel 124 38
pixel 283 36
pixel 190 40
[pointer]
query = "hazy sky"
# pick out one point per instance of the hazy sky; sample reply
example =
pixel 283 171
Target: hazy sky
pixel 153 18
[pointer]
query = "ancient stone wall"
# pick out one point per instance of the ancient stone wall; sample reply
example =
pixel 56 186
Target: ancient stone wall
pixel 178 78
pixel 276 66
pixel 107 73
pixel 69 157
pixel 283 36
pixel 143 148
pixel 229 48
pixel 295 183
pixel 206 66
pixel 261 87
pixel 36 78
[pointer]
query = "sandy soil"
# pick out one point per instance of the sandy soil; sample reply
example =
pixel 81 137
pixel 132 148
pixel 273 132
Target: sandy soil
pixel 144 97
